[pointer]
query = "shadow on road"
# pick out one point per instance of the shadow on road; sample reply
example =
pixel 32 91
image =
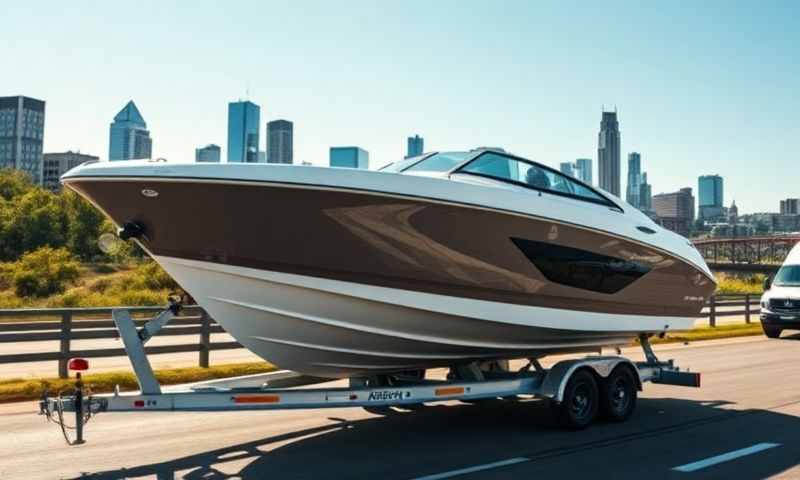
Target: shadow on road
pixel 441 438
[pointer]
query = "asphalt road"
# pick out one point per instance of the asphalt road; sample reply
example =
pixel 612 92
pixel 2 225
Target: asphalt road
pixel 743 423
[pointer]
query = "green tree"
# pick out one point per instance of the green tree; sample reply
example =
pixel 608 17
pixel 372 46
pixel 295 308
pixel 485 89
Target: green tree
pixel 32 220
pixel 84 225
pixel 14 183
pixel 43 272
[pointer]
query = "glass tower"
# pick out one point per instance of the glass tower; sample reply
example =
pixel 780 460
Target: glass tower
pixel 129 138
pixel 608 153
pixel 710 196
pixel 243 128
pixel 349 157
pixel 22 135
pixel 583 170
pixel 280 139
pixel 416 145
pixel 634 179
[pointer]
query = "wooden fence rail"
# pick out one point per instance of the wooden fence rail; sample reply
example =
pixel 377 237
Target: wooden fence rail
pixel 749 303
pixel 67 324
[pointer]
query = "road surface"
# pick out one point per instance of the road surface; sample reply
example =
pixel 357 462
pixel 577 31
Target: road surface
pixel 743 423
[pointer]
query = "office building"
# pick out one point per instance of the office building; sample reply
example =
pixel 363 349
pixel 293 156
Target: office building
pixel 583 170
pixel 280 138
pixel 675 211
pixel 22 135
pixel 57 164
pixel 244 121
pixel 209 153
pixel 567 168
pixel 129 138
pixel 634 179
pixel 790 206
pixel 350 157
pixel 416 146
pixel 608 148
pixel 710 197
pixel 645 195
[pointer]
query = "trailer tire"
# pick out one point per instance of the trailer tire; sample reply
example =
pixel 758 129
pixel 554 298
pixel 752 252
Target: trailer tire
pixel 618 394
pixel 580 404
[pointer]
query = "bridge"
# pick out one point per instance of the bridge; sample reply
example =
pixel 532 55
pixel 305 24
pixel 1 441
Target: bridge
pixel 762 254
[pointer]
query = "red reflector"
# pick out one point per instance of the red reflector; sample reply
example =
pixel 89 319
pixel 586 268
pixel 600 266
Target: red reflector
pixel 257 399
pixel 354 397
pixel 138 403
pixel 447 391
pixel 78 364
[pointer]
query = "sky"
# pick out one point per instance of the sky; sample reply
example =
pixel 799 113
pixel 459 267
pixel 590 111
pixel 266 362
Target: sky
pixel 705 87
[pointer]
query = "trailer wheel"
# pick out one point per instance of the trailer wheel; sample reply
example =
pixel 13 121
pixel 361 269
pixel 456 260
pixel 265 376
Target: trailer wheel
pixel 771 332
pixel 618 395
pixel 578 409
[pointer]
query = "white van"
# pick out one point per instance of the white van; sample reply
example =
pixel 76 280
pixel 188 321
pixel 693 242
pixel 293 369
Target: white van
pixel 780 304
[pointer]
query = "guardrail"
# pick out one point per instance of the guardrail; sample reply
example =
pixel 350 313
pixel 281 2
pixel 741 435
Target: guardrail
pixel 746 302
pixel 68 324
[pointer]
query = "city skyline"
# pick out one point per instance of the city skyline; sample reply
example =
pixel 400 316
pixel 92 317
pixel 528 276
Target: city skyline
pixel 678 115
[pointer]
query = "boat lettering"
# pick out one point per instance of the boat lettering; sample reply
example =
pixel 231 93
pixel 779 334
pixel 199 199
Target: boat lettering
pixel 384 395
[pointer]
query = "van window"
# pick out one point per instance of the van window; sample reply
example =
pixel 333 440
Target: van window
pixel 788 276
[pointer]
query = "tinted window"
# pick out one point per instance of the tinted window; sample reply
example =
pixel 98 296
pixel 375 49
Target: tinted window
pixel 579 268
pixel 440 162
pixel 530 175
pixel 788 275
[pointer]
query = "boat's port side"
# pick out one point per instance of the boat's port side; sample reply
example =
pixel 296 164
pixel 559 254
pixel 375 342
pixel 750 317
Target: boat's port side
pixel 580 390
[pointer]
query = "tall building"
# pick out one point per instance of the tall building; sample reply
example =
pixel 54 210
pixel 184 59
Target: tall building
pixel 209 153
pixel 634 179
pixel 675 210
pixel 608 154
pixel 583 170
pixel 416 145
pixel 645 195
pixel 57 164
pixel 129 138
pixel 350 157
pixel 280 140
pixel 243 127
pixel 790 206
pixel 567 168
pixel 22 135
pixel 710 197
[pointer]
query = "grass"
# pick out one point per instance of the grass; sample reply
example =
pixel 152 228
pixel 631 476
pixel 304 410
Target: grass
pixel 729 284
pixel 17 389
pixel 711 333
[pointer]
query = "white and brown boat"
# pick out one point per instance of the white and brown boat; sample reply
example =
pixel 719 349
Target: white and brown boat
pixel 436 260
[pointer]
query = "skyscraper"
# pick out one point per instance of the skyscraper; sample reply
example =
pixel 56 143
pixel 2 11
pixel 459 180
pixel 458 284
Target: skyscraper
pixel 416 145
pixel 22 135
pixel 710 197
pixel 209 153
pixel 280 140
pixel 634 179
pixel 583 170
pixel 567 168
pixel 608 153
pixel 129 138
pixel 790 206
pixel 351 157
pixel 57 164
pixel 243 127
pixel 645 195
pixel 675 210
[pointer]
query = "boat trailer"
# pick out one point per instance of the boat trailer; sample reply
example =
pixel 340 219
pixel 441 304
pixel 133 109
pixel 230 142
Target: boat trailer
pixel 578 389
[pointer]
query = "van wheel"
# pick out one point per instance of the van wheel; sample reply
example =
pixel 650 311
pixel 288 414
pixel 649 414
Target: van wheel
pixel 618 395
pixel 580 404
pixel 771 332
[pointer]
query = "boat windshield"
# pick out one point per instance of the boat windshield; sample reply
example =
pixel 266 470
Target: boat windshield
pixel 440 162
pixel 788 276
pixel 530 175
pixel 401 165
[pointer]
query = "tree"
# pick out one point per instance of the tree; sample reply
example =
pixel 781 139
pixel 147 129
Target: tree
pixel 84 225
pixel 43 272
pixel 30 221
pixel 14 183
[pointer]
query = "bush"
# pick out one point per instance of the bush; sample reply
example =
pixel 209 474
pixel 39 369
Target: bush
pixel 43 272
pixel 150 275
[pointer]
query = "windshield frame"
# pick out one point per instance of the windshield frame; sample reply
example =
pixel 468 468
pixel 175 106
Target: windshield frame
pixel 403 168
pixel 604 200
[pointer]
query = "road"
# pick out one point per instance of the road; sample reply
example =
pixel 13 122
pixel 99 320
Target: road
pixel 743 423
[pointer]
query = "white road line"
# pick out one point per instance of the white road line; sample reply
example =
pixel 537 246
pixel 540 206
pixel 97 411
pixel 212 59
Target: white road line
pixel 725 457
pixel 477 468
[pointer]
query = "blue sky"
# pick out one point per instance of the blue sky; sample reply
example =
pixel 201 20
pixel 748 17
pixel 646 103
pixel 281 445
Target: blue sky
pixel 701 87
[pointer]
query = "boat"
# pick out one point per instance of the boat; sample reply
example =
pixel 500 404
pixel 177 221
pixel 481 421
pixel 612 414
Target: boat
pixel 444 259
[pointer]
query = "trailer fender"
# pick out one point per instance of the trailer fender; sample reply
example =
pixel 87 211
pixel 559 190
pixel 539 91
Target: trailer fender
pixel 555 382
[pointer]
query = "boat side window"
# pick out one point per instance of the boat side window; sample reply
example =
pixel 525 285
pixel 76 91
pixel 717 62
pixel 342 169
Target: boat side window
pixel 531 175
pixel 440 162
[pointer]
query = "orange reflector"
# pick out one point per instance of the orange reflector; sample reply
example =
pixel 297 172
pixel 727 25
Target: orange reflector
pixel 257 399
pixel 441 392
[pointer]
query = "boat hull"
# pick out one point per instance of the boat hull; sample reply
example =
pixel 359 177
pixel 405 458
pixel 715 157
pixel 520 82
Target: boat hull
pixel 336 329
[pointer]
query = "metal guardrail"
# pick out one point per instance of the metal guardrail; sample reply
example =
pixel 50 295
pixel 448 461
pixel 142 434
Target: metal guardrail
pixel 68 324
pixel 746 302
